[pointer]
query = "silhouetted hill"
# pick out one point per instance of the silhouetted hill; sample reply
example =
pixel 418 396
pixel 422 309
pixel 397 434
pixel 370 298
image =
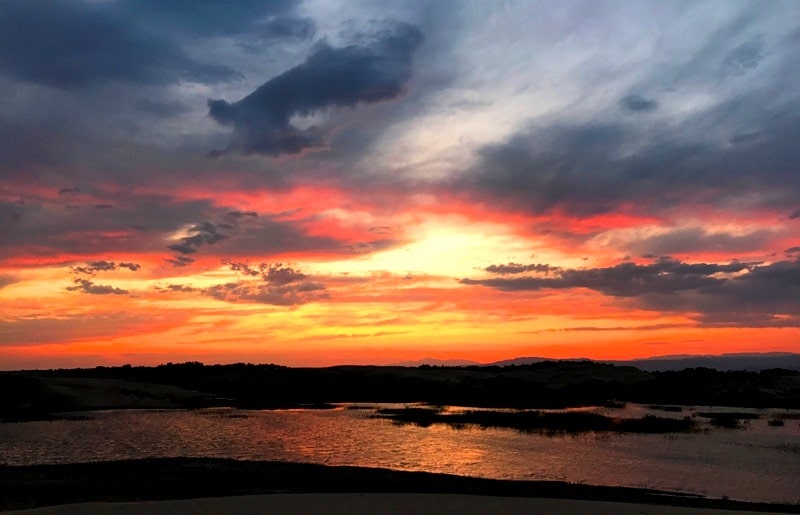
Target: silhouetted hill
pixel 744 361
pixel 754 362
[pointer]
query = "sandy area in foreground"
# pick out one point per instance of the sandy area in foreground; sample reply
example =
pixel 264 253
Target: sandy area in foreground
pixel 370 504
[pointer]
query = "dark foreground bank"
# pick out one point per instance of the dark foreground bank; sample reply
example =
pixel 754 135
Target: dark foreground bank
pixel 185 478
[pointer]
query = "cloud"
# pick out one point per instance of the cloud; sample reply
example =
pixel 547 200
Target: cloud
pixel 624 280
pixel 795 214
pixel 210 18
pixel 280 285
pixel 746 56
pixel 711 138
pixel 179 261
pixel 104 266
pixel 67 44
pixel 95 266
pixel 205 233
pixel 374 71
pixel 6 280
pixel 517 268
pixel 280 275
pixel 685 240
pixel 287 27
pixel 638 103
pixel 86 286
pixel 714 292
pixel 242 214
pixel 594 167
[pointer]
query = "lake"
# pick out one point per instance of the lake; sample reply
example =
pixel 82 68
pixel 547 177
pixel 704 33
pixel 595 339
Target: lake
pixel 759 462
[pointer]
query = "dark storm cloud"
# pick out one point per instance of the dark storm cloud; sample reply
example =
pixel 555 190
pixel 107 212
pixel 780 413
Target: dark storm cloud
pixel 209 17
pixel 591 168
pixel 280 285
pixel 86 286
pixel 68 44
pixel 517 268
pixel 374 71
pixel 716 293
pixel 285 27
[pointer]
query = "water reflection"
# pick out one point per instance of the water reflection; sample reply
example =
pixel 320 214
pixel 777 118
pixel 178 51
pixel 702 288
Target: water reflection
pixel 757 463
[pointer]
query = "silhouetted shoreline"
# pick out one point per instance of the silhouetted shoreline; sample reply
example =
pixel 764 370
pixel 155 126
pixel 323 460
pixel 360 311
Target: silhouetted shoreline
pixel 183 478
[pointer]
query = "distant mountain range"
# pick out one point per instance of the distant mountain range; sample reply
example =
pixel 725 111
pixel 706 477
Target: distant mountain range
pixel 742 361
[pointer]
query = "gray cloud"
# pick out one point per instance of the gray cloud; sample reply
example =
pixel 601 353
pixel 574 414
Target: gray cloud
pixel 665 276
pixel 695 239
pixel 331 77
pixel 205 233
pixel 179 261
pixel 517 268
pixel 95 266
pixel 738 142
pixel 638 103
pixel 718 293
pixel 746 56
pixel 87 286
pixel 280 285
pixel 591 168
pixel 5 280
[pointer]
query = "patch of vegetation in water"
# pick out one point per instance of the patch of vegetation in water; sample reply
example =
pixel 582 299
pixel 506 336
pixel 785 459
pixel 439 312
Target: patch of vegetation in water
pixel 670 409
pixel 728 419
pixel 536 421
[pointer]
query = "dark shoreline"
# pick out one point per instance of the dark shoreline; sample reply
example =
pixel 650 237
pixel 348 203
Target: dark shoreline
pixel 183 478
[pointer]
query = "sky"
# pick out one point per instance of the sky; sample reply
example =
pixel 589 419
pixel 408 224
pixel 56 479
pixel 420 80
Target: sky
pixel 319 182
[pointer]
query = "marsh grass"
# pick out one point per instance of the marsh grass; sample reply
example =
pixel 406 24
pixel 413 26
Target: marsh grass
pixel 551 423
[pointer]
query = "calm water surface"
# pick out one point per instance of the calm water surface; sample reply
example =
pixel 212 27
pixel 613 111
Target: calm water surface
pixel 758 463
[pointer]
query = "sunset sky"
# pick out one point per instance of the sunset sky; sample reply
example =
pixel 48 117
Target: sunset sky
pixel 317 182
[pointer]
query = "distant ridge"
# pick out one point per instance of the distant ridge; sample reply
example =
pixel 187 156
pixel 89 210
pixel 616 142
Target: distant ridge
pixel 436 363
pixel 739 361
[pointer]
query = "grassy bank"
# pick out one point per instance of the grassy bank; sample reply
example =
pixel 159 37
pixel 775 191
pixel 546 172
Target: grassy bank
pixel 182 478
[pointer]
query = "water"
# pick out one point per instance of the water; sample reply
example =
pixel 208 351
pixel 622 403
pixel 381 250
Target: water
pixel 758 463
